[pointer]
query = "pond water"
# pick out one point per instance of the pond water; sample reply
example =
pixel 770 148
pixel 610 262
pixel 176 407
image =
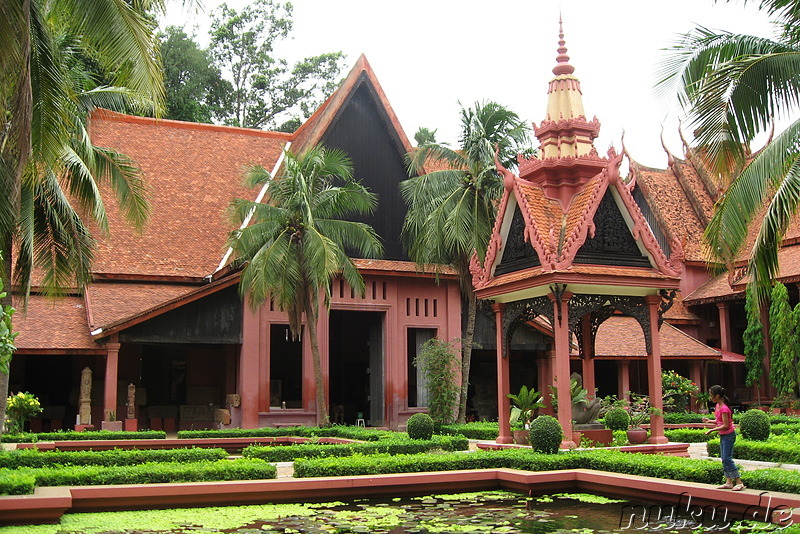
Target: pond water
pixel 484 512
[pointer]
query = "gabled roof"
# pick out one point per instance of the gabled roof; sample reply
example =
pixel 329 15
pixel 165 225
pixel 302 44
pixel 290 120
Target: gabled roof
pixel 54 325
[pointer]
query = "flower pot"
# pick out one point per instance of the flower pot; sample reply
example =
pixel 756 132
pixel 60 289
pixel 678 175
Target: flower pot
pixel 521 437
pixel 637 436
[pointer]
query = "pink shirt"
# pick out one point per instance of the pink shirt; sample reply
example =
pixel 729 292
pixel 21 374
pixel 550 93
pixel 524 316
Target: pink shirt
pixel 718 411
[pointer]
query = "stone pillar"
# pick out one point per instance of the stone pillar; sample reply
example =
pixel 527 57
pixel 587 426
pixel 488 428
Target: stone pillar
pixel 112 366
pixel 503 379
pixel 249 366
pixel 85 410
pixel 623 379
pixel 696 376
pixel 561 374
pixel 724 326
pixel 654 373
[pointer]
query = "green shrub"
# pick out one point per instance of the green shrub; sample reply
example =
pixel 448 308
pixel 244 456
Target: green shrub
pixel 617 419
pixel 34 458
pixel 439 362
pixel 682 418
pixel 152 473
pixel 545 434
pixel 70 435
pixel 393 446
pixel 476 430
pixel 779 429
pixel 687 435
pixel 420 426
pixel 754 424
pixel 777 449
pixel 14 483
pixel 337 431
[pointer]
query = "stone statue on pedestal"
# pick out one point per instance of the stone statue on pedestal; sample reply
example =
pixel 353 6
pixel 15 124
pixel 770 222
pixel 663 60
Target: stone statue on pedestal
pixel 86 397
pixel 131 404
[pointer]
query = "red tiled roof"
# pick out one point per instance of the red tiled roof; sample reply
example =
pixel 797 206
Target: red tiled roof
pixel 111 302
pixel 402 267
pixel 622 336
pixel 578 269
pixel 56 324
pixel 192 171
pixel 679 312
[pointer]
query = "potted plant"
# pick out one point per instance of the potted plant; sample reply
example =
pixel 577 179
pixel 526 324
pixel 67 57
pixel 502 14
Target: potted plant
pixel 524 409
pixel 702 401
pixel 639 410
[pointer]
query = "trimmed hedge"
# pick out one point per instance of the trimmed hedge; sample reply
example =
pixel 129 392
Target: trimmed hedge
pixel 420 426
pixel 617 419
pixel 606 460
pixel 773 418
pixel 346 432
pixel 774 450
pixel 34 458
pixel 680 418
pixel 149 473
pixel 14 483
pixel 478 430
pixel 754 424
pixel 784 428
pixel 394 446
pixel 687 435
pixel 27 437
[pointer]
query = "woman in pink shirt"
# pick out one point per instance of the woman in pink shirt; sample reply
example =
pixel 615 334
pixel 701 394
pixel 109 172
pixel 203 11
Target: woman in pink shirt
pixel 727 436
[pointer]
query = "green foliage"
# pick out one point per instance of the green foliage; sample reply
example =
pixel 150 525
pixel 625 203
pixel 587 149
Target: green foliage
pixel 152 473
pixel 784 358
pixel 7 335
pixel 525 407
pixel 676 390
pixel 336 431
pixel 425 136
pixel 16 459
pixel 777 449
pixel 546 434
pixel 476 430
pixel 438 362
pixel 420 426
pixel 687 435
pixel 26 437
pixel 195 88
pixel 21 408
pixel 617 419
pixel 392 446
pixel 669 467
pixel 267 91
pixel 754 424
pixel 14 483
pixel 680 418
pixel 753 338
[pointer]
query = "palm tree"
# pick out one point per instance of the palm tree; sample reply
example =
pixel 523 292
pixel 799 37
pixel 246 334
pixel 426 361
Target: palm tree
pixel 734 86
pixel 296 244
pixel 451 212
pixel 50 172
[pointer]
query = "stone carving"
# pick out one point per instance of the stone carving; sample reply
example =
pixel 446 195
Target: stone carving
pixel 583 411
pixel 85 412
pixel 131 404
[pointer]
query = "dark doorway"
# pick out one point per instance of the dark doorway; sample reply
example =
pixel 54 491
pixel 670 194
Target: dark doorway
pixel 356 367
pixel 285 368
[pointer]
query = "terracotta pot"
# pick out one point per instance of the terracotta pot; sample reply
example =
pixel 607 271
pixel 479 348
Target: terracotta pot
pixel 637 436
pixel 521 437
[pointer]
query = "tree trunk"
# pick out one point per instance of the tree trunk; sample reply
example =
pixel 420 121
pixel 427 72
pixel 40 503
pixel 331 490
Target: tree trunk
pixel 466 356
pixel 312 314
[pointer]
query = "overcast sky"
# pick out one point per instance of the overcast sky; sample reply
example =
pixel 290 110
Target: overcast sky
pixel 429 55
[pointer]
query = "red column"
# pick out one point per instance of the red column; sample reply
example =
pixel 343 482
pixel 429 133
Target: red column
pixel 623 379
pixel 561 367
pixel 503 379
pixel 112 366
pixel 724 326
pixel 696 377
pixel 654 373
pixel 249 366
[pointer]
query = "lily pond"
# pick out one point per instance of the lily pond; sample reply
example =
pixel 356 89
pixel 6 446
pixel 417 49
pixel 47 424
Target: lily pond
pixel 488 511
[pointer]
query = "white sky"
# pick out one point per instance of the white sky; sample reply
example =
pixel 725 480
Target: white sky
pixel 430 54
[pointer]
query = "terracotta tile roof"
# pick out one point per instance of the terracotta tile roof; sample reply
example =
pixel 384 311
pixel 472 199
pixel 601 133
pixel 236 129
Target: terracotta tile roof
pixel 56 324
pixel 111 302
pixel 545 219
pixel 401 267
pixel 622 336
pixel 670 204
pixel 193 171
pixel 579 269
pixel 679 312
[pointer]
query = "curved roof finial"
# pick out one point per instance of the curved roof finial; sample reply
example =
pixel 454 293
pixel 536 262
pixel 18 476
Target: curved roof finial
pixel 563 66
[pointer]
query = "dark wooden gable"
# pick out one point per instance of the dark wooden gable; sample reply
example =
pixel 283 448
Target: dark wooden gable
pixel 363 130
pixel 518 254
pixel 613 243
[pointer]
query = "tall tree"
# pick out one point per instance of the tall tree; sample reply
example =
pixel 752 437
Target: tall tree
pixel 784 356
pixel 267 91
pixel 733 87
pixel 295 244
pixel 195 88
pixel 451 212
pixel 49 170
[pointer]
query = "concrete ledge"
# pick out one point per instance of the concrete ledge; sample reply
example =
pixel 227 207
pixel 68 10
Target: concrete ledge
pixel 45 505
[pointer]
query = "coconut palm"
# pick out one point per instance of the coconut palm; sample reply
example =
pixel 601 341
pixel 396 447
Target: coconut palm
pixel 451 212
pixel 296 243
pixel 50 172
pixel 734 86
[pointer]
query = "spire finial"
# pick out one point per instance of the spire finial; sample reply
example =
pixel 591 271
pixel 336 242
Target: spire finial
pixel 563 66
